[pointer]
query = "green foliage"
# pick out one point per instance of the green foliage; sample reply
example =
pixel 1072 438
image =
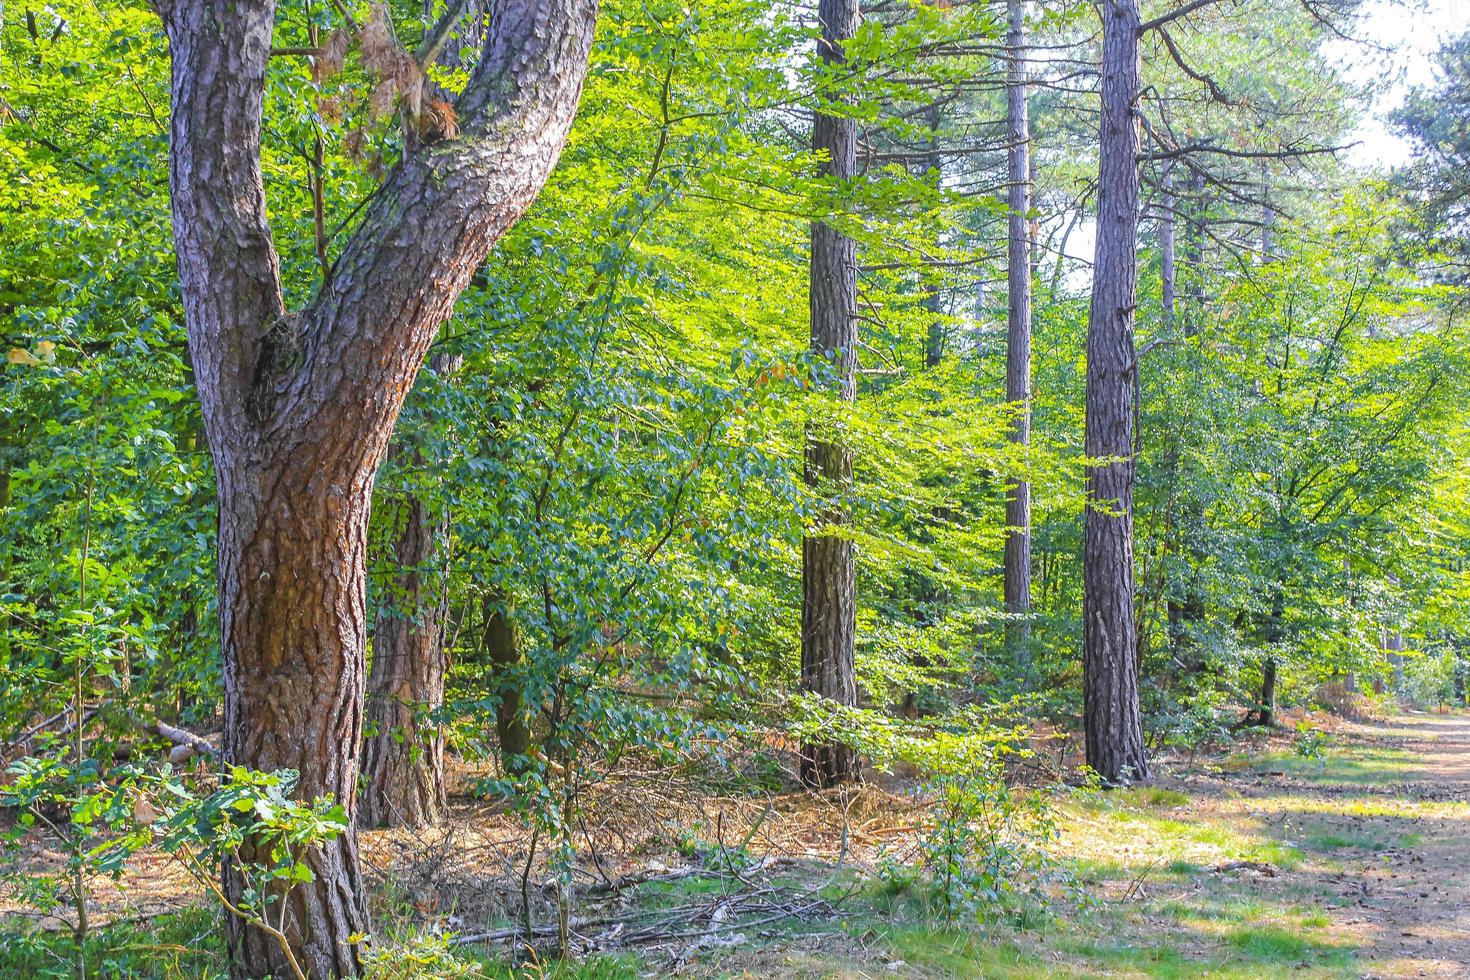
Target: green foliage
pixel 986 851
pixel 613 424
pixel 1435 118
pixel 1310 741
pixel 418 956
pixel 102 818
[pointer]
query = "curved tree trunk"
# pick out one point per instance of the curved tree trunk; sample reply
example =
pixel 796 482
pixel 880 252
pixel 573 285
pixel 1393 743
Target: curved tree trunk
pixel 1018 332
pixel 298 408
pixel 828 574
pixel 403 748
pixel 1111 717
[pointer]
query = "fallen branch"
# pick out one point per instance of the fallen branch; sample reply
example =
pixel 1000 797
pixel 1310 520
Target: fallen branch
pixel 35 730
pixel 186 743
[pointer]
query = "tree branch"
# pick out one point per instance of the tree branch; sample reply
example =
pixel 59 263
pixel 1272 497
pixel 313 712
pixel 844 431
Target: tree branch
pixel 1174 14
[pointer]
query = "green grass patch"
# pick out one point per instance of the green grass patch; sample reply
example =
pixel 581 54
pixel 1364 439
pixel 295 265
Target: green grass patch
pixel 187 945
pixel 956 953
pixel 1157 796
pixel 1271 945
pixel 598 966
pixel 1352 765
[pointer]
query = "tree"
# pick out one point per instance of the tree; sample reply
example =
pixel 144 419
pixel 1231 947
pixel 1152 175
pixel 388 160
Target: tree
pixel 403 746
pixel 828 574
pixel 1018 323
pixel 1437 120
pixel 1111 717
pixel 403 749
pixel 298 406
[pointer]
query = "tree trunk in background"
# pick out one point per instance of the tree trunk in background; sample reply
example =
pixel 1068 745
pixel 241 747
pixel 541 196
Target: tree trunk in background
pixel 1111 717
pixel 503 653
pixel 1268 693
pixel 1018 332
pixel 1166 248
pixel 403 748
pixel 933 302
pixel 828 574
pixel 1273 634
pixel 1393 646
pixel 1198 216
pixel 298 407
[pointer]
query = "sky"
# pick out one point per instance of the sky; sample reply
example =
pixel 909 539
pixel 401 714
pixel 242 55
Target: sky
pixel 1414 32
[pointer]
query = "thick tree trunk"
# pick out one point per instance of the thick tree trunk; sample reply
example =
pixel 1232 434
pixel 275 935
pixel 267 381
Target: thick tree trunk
pixel 1018 332
pixel 1111 717
pixel 828 574
pixel 292 588
pixel 503 652
pixel 403 747
pixel 298 408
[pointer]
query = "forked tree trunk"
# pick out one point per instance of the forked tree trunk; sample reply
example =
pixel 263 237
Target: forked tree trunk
pixel 1111 716
pixel 403 746
pixel 828 586
pixel 299 407
pixel 1018 332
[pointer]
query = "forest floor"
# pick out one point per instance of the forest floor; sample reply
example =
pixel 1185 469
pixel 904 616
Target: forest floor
pixel 1256 863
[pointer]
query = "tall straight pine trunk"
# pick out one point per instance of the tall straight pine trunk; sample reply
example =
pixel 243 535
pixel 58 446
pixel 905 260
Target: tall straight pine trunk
pixel 1018 329
pixel 828 574
pixel 299 405
pixel 1111 718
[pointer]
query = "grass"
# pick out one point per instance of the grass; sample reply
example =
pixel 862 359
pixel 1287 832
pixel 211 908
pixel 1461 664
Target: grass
pixel 1157 864
pixel 1354 765
pixel 186 945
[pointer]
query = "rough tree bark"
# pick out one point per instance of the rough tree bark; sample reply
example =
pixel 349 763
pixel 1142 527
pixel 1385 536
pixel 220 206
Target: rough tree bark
pixel 1111 717
pixel 1018 329
pixel 828 574
pixel 298 407
pixel 403 749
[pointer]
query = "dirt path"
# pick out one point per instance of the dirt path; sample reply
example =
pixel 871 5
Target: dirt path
pixel 1410 902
